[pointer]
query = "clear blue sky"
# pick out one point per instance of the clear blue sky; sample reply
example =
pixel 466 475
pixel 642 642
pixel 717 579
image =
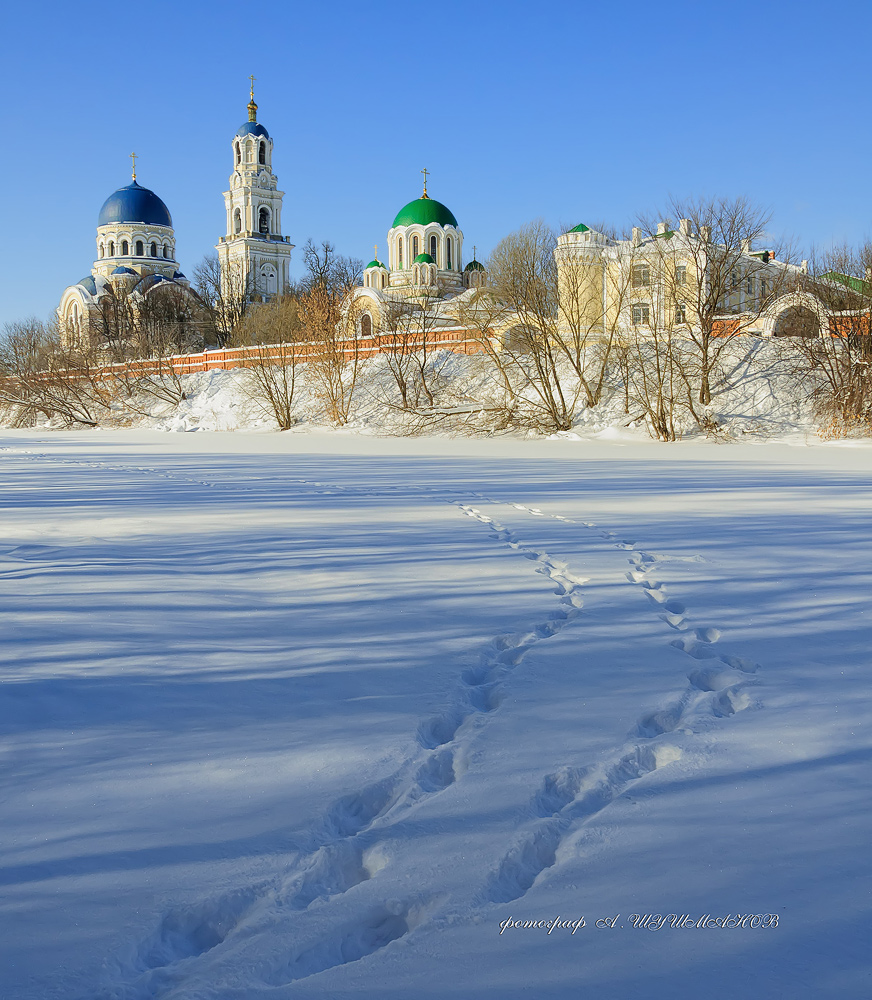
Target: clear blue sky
pixel 569 111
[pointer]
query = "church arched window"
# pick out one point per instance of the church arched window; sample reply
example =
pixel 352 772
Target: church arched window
pixel 263 221
pixel 166 250
pixel 448 253
pixel 238 154
pixel 140 250
pixel 154 249
pixel 261 153
pixel 366 325
pixel 237 221
pixel 102 248
pixel 400 252
pixel 125 248
pixel 433 247
pixel 111 248
pixel 415 248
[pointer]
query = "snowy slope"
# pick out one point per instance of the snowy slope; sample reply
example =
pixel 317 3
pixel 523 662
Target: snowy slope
pixel 315 715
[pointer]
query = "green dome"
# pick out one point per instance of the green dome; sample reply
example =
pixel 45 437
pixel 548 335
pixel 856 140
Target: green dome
pixel 374 263
pixel 423 211
pixel 474 265
pixel 580 228
pixel 424 258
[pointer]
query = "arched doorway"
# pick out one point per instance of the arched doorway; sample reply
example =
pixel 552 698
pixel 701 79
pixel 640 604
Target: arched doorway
pixel 797 321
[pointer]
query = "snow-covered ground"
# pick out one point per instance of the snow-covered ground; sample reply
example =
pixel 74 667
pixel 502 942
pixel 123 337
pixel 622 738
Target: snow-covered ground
pixel 334 716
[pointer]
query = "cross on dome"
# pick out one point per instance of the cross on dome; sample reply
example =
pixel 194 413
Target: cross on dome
pixel 425 172
pixel 133 157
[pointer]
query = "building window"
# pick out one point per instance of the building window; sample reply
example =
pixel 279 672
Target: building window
pixel 111 248
pixel 140 250
pixel 237 221
pixel 400 252
pixel 263 221
pixel 641 314
pixel 101 249
pixel 238 154
pixel 125 248
pixel 749 285
pixel 154 249
pixel 166 252
pixel 680 313
pixel 366 325
pixel 680 274
pixel 261 153
pixel 641 276
pixel 734 277
pixel 764 288
pixel 416 249
pixel 433 249
pixel 448 253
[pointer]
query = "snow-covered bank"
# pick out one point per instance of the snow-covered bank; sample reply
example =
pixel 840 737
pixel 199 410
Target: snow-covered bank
pixel 313 715
pixel 758 397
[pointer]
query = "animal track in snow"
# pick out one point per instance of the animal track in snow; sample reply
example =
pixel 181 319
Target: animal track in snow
pixel 352 941
pixel 566 799
pixel 481 690
pixel 186 932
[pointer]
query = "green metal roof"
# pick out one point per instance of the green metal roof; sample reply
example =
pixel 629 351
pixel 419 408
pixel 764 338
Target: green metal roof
pixel 474 265
pixel 423 211
pixel 580 228
pixel 424 258
pixel 857 284
pixel 374 263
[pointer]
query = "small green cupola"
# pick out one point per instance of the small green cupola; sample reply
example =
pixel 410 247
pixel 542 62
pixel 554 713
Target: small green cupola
pixel 580 228
pixel 424 258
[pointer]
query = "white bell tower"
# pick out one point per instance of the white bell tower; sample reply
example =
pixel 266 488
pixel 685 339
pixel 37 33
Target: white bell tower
pixel 254 256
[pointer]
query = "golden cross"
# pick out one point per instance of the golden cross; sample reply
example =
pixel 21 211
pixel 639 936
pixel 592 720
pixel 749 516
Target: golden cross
pixel 133 157
pixel 375 247
pixel 252 78
pixel 473 251
pixel 425 172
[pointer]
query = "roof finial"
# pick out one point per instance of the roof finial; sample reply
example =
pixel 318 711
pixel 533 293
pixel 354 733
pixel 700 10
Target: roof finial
pixel 252 107
pixel 375 247
pixel 473 251
pixel 133 157
pixel 425 171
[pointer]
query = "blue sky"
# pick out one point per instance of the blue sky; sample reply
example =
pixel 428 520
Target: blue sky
pixel 565 111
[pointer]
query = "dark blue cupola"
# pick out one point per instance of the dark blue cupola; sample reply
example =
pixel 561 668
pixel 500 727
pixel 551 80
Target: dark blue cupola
pixel 134 203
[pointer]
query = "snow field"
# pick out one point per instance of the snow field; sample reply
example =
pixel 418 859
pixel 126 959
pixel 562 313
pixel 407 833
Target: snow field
pixel 284 723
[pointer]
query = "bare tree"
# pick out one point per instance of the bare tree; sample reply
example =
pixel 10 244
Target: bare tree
pixel 226 294
pixel 327 269
pixel 40 374
pixel 409 334
pixel 523 274
pixel 712 277
pixel 273 333
pixel 832 361
pixel 333 350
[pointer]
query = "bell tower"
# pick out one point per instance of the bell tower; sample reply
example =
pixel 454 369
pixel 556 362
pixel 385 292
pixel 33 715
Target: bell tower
pixel 254 256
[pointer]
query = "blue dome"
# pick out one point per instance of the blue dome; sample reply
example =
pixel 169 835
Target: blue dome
pixel 123 270
pixel 89 284
pixel 134 204
pixel 252 128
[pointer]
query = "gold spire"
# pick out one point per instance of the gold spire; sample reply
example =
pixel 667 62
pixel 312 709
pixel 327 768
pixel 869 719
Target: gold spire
pixel 133 157
pixel 252 107
pixel 425 171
